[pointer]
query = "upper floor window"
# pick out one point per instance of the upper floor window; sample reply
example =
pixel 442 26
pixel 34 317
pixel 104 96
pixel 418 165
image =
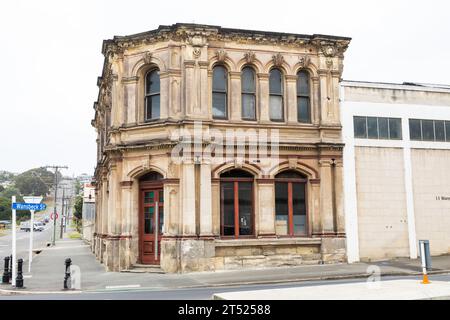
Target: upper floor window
pixel 248 91
pixel 429 130
pixel 303 97
pixel 152 95
pixel 276 95
pixel 377 128
pixel 219 92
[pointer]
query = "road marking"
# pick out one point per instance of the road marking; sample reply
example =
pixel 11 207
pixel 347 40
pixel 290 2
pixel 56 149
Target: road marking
pixel 124 286
pixel 27 276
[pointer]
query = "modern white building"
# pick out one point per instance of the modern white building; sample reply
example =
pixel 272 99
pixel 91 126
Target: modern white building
pixel 396 168
pixel 88 213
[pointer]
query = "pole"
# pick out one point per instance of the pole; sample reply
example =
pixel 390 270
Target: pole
pixel 62 215
pixel 156 228
pixel 14 268
pixel 54 207
pixel 30 253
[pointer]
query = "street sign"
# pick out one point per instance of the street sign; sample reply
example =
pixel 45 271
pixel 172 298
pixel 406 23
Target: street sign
pixel 51 216
pixel 29 206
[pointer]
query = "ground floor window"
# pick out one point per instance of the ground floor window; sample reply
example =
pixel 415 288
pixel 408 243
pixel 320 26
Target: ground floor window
pixel 236 200
pixel 290 204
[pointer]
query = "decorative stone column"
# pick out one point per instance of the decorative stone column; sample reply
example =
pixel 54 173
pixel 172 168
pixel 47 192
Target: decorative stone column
pixel 326 198
pixel 164 89
pixel 188 198
pixel 315 101
pixel 264 97
pixel 291 99
pixel 315 222
pixel 339 197
pixel 130 103
pixel 235 94
pixel 206 228
pixel 266 217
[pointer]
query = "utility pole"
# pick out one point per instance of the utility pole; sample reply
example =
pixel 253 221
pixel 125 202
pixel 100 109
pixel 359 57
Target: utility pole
pixel 56 194
pixel 62 214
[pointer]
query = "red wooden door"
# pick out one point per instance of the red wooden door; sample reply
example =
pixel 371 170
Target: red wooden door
pixel 152 201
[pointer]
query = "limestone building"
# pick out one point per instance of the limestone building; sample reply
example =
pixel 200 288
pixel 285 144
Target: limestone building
pixel 397 177
pixel 219 149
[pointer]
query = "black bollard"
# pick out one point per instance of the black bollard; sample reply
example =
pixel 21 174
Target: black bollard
pixel 19 278
pixel 67 280
pixel 5 278
pixel 10 268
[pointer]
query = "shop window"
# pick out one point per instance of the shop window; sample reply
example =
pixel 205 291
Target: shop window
pixel 236 199
pixel 290 204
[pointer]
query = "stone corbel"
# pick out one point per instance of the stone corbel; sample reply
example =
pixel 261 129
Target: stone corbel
pixel 326 162
pixel 126 184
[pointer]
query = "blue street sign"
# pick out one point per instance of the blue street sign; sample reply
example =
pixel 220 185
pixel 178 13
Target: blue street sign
pixel 29 206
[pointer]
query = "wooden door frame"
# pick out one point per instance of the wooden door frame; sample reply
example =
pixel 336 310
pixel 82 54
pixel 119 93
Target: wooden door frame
pixel 290 198
pixel 235 182
pixel 144 187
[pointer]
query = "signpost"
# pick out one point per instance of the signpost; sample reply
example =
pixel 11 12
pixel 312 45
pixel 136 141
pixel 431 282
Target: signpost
pixel 34 203
pixel 13 262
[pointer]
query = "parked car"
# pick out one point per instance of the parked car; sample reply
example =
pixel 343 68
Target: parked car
pixel 38 226
pixel 25 226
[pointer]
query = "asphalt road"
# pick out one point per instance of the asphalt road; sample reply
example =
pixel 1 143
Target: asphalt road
pixel 40 240
pixel 185 294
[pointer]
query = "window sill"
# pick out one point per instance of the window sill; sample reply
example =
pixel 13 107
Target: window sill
pixel 265 242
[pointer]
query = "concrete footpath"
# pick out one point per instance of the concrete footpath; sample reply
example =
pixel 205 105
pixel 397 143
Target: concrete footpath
pixel 48 269
pixel 383 290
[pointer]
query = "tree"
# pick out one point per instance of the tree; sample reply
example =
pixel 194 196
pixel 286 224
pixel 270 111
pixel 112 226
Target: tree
pixel 78 211
pixel 36 182
pixel 10 191
pixel 5 208
pixel 2 188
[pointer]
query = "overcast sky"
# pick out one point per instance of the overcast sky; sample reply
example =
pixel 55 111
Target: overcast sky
pixel 50 57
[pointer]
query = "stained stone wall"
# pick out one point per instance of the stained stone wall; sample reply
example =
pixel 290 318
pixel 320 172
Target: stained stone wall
pixel 129 147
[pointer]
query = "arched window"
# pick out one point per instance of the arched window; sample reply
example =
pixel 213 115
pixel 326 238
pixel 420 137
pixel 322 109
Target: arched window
pixel 290 204
pixel 152 95
pixel 248 92
pixel 236 204
pixel 303 97
pixel 219 92
pixel 276 95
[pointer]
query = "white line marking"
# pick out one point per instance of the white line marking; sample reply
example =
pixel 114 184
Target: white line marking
pixel 124 287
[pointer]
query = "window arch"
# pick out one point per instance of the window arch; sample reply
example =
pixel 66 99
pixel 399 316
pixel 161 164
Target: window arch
pixel 276 89
pixel 236 204
pixel 152 95
pixel 248 93
pixel 291 218
pixel 220 92
pixel 303 97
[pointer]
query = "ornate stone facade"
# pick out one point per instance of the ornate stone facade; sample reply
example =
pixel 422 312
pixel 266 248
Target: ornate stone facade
pixel 129 147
